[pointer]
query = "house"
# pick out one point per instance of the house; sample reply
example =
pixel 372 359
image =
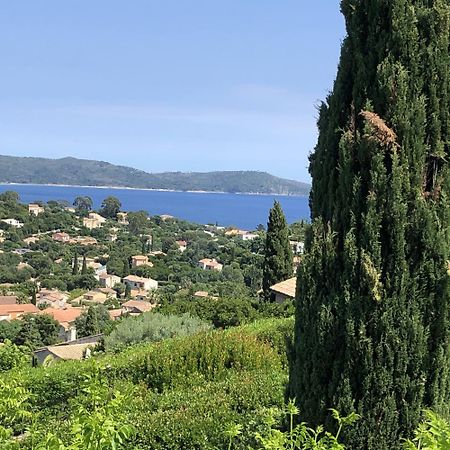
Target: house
pixel 64 352
pixel 108 281
pixel 136 307
pixel 66 319
pixel 182 245
pixel 15 311
pixel 61 237
pixel 8 300
pixel 112 236
pixel 94 297
pixel 201 294
pixel 23 265
pixel 249 236
pixel 35 209
pixel 140 260
pixel 13 222
pixel 115 314
pixel 139 294
pixel 110 293
pixel 31 240
pixel 298 247
pixel 140 283
pixel 52 298
pixel 122 218
pixel 284 290
pixel 166 217
pixel 158 253
pixel 21 251
pixel 93 220
pixel 84 240
pixel 210 264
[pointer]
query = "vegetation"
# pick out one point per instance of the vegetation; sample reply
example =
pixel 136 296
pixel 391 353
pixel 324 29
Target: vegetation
pixel 372 328
pixel 72 171
pixel 178 393
pixel 151 327
pixel 278 265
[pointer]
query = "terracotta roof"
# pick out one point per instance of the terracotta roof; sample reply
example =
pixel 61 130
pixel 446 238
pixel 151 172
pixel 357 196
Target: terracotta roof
pixel 63 316
pixel 18 308
pixel 8 300
pixel 136 278
pixel 139 305
pixel 114 313
pixel 286 287
pixel 75 351
pixel 140 257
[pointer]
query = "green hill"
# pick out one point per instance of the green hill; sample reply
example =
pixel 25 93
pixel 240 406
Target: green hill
pixel 72 171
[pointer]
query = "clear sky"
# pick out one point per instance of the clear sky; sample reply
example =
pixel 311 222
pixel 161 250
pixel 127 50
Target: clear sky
pixel 168 85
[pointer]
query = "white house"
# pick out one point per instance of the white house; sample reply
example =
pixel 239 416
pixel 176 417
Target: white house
pixel 35 209
pixel 298 247
pixel 108 281
pixel 210 264
pixel 13 222
pixel 140 283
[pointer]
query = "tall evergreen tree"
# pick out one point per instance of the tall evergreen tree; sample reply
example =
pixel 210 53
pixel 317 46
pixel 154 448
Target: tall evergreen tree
pixel 84 266
pixel 372 311
pixel 75 264
pixel 278 259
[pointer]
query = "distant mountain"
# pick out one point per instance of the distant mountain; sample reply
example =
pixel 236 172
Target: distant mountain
pixel 72 171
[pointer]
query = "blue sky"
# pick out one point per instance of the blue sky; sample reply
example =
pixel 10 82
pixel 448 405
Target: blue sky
pixel 182 85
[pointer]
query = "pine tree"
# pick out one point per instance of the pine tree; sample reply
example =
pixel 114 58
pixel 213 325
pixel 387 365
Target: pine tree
pixel 278 259
pixel 372 308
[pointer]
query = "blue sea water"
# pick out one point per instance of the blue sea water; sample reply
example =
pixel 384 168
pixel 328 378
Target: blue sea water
pixel 241 210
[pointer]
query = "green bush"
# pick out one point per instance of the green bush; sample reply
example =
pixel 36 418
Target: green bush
pixel 162 365
pixel 152 327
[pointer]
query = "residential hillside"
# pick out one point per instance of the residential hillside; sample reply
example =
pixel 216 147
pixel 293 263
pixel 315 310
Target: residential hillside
pixel 72 171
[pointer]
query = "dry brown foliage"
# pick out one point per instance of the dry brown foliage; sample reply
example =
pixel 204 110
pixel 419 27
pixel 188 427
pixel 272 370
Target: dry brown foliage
pixel 380 131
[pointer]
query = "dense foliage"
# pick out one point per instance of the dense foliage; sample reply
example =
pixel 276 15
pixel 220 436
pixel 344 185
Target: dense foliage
pixel 178 393
pixel 372 331
pixel 151 327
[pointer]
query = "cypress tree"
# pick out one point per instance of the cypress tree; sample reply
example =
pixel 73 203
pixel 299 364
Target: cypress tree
pixel 278 258
pixel 127 292
pixel 84 266
pixel 372 308
pixel 75 264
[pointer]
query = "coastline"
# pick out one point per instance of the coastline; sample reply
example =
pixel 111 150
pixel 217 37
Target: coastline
pixel 149 189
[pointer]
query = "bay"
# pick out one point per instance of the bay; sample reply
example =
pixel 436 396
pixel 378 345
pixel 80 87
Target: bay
pixel 241 210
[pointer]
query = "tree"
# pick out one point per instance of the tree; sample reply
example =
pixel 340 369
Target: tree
pixel 94 321
pixel 278 258
pixel 137 222
pixel 372 311
pixel 10 198
pixel 75 264
pixel 110 207
pixel 127 293
pixel 83 204
pixel 12 355
pixel 37 330
pixel 84 266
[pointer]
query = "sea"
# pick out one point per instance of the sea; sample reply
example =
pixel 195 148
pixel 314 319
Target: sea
pixel 245 211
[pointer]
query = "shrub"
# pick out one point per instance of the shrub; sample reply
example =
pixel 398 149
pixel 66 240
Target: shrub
pixel 152 327
pixel 163 365
pixel 432 434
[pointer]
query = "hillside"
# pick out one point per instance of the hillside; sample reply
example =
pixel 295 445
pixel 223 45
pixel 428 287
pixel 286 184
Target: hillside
pixel 72 171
